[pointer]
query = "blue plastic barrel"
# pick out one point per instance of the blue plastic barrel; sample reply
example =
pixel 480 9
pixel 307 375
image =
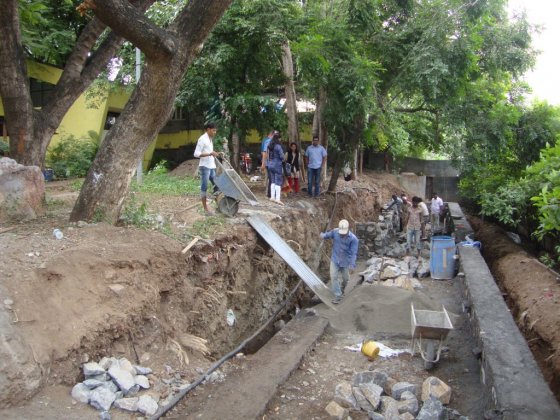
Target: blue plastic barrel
pixel 442 257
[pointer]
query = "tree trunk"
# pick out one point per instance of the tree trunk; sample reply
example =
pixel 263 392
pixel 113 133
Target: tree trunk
pixel 319 128
pixel 14 86
pixel 32 129
pixel 291 102
pixel 338 164
pixel 236 147
pixel 168 54
pixel 355 164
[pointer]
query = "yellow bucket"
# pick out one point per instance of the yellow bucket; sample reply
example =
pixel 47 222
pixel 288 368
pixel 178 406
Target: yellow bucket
pixel 370 349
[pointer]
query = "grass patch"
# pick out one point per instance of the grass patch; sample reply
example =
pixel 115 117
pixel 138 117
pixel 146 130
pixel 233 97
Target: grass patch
pixel 76 184
pixel 159 181
pixel 137 214
pixel 205 228
pixel 55 203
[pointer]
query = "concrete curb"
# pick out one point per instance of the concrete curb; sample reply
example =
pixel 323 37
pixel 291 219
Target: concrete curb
pixel 507 367
pixel 246 393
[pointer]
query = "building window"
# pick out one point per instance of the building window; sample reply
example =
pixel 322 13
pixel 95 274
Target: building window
pixel 40 92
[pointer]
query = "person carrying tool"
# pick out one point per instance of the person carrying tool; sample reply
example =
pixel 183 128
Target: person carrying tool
pixel 207 165
pixel 343 257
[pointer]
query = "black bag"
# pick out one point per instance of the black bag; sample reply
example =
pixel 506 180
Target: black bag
pixel 287 169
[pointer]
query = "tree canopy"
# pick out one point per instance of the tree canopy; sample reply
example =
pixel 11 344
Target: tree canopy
pixel 401 75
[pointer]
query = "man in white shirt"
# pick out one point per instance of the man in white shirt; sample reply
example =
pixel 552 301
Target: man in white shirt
pixel 435 207
pixel 207 165
pixel 425 218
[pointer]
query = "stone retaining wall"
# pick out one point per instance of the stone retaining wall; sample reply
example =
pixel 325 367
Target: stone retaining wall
pixel 507 367
pixel 375 236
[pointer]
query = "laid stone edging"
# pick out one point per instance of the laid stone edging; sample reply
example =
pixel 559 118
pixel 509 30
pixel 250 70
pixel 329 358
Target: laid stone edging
pixel 507 366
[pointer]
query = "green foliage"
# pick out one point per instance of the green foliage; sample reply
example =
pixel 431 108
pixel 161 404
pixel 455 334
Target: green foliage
pixel 76 184
pixel 532 199
pixel 138 214
pixel 159 181
pixel 72 157
pixel 551 260
pixel 508 204
pixel 236 79
pixel 4 147
pixel 546 174
pixel 49 29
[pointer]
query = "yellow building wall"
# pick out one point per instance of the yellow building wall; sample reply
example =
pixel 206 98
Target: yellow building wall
pixel 83 117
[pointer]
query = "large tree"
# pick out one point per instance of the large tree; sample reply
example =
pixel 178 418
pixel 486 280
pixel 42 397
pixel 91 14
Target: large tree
pixel 168 52
pixel 31 129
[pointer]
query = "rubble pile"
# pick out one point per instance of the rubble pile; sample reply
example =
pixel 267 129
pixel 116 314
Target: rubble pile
pixel 385 247
pixel 382 397
pixel 399 273
pixel 118 383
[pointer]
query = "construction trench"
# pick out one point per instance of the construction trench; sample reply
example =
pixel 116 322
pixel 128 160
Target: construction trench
pixel 293 361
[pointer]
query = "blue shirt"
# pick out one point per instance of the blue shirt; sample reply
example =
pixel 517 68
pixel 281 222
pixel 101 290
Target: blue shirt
pixel 345 248
pixel 315 156
pixel 265 143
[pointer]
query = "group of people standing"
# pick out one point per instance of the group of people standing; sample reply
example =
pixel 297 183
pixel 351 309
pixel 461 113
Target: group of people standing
pixel 414 215
pixel 280 166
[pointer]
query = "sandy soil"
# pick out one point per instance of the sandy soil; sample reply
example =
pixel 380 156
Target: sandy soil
pixel 60 293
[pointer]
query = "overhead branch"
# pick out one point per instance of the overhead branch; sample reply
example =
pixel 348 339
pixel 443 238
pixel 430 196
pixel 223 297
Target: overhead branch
pixel 129 22
pixel 420 108
pixel 193 21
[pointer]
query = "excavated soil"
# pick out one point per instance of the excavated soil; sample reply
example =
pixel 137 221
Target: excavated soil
pixel 532 292
pixel 127 292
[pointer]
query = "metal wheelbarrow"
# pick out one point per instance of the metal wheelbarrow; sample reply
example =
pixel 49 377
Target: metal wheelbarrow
pixel 231 189
pixel 429 332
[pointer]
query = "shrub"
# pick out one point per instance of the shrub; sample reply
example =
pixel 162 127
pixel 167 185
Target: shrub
pixel 72 157
pixel 158 180
pixel 4 148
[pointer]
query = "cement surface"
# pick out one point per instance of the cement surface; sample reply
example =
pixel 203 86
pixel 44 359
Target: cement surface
pixel 246 393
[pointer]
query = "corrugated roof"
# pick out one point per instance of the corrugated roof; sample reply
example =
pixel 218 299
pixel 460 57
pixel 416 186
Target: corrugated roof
pixel 293 259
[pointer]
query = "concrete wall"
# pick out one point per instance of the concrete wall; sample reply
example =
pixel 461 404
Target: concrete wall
pixel 507 367
pixel 414 183
pixel 437 168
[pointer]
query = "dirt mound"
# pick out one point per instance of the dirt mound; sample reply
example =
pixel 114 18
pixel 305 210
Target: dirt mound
pixel 187 168
pixel 531 290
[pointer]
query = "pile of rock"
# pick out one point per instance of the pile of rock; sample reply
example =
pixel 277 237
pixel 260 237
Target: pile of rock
pixel 399 273
pixel 113 382
pixel 382 397
pixel 22 191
